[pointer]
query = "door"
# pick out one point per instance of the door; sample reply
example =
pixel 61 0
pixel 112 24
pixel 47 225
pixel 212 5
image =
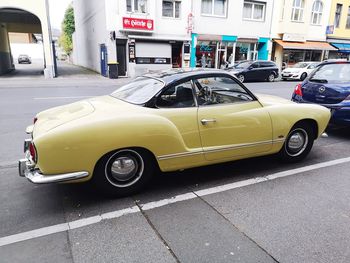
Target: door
pixel 121 56
pixel 231 121
pixel 177 105
pixel 103 59
pixel 254 72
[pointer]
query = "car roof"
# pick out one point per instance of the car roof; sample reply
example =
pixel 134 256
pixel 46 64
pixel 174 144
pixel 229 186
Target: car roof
pixel 172 75
pixel 334 62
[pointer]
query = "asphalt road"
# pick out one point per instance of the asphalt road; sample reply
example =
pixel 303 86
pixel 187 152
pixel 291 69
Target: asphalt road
pixel 245 211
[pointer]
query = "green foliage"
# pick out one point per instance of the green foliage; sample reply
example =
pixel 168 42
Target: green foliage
pixel 68 28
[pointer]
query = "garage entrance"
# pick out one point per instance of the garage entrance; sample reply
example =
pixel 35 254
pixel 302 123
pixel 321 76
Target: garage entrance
pixel 25 42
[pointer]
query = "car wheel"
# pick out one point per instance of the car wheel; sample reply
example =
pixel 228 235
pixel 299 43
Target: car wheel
pixel 271 78
pixel 123 172
pixel 303 76
pixel 240 78
pixel 298 143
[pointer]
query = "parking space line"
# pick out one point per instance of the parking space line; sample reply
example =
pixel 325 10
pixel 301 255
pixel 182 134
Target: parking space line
pixel 7 240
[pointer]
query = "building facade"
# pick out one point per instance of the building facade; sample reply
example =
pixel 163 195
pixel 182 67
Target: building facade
pixel 338 30
pixel 298 31
pixel 138 35
pixel 144 35
pixel 229 31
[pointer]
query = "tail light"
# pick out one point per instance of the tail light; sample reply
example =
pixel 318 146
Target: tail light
pixel 298 91
pixel 32 152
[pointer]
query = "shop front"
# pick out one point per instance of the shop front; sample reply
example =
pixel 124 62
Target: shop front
pixel 145 51
pixel 342 52
pixel 219 51
pixel 289 53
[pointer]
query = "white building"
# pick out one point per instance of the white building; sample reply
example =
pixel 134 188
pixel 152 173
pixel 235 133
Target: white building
pixel 143 35
pixel 299 31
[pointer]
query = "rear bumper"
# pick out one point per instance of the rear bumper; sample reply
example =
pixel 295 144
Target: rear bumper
pixel 26 168
pixel 340 113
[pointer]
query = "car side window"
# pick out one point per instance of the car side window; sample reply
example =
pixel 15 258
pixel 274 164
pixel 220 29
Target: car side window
pixel 312 66
pixel 176 96
pixel 255 65
pixel 220 90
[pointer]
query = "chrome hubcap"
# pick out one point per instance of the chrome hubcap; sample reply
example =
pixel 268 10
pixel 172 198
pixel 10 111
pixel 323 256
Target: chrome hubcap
pixel 124 168
pixel 272 77
pixel 297 142
pixel 241 78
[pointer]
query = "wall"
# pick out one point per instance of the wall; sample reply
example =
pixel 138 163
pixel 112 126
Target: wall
pixel 90 25
pixel 305 28
pixel 341 32
pixel 233 24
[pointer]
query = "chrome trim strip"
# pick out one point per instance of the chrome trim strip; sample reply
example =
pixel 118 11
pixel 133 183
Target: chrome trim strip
pixel 218 149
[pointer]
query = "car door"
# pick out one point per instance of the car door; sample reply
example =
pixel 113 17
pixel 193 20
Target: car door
pixel 177 104
pixel 231 120
pixel 253 71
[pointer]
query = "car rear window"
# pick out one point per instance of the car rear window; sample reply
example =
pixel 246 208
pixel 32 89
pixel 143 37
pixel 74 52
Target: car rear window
pixel 332 73
pixel 139 91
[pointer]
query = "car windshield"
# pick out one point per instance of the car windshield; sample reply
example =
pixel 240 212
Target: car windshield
pixel 139 91
pixel 335 73
pixel 243 65
pixel 301 65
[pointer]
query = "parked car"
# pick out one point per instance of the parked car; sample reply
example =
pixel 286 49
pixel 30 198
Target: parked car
pixel 255 70
pixel 169 121
pixel 299 71
pixel 328 85
pixel 24 59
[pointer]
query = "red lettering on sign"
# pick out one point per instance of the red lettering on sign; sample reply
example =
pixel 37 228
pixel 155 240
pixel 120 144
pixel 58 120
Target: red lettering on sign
pixel 137 23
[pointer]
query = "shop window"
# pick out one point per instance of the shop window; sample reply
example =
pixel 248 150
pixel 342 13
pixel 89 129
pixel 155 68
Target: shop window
pixel 206 54
pixel 298 10
pixel 348 19
pixel 338 15
pixel 214 7
pixel 171 8
pixel 254 11
pixel 144 60
pixel 136 6
pixel 316 15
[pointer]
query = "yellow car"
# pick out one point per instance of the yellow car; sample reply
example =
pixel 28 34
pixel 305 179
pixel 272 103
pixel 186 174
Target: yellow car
pixel 169 121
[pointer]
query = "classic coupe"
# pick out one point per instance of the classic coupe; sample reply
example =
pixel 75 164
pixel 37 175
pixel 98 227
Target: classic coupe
pixel 165 121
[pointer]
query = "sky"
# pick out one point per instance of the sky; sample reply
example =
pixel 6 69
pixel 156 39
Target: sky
pixel 57 9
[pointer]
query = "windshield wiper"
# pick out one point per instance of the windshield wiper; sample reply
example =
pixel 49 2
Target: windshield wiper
pixel 319 80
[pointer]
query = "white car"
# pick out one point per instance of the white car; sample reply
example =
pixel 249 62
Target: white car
pixel 299 71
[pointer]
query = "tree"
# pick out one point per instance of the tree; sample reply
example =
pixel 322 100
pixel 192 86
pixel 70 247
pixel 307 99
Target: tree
pixel 68 28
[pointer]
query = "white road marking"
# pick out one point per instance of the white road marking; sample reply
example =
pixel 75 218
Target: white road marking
pixel 151 205
pixel 55 98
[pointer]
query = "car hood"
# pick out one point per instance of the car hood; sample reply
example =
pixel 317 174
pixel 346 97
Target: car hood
pixel 269 100
pixel 292 70
pixel 52 118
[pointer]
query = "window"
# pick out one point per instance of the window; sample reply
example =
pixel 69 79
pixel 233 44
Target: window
pixel 348 19
pixel 337 15
pixel 171 8
pixel 214 7
pixel 220 90
pixel 139 91
pixel 136 6
pixel 254 11
pixel 316 15
pixel 298 10
pixel 179 96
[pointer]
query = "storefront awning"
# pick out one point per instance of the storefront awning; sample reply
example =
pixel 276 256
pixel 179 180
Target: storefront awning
pixel 308 45
pixel 342 47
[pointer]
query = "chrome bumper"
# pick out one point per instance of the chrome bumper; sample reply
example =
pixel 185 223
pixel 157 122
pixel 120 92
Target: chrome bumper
pixel 26 168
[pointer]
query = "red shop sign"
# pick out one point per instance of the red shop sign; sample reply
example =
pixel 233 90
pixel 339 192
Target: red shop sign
pixel 137 23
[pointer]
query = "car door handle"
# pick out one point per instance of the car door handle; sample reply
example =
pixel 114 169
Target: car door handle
pixel 205 121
